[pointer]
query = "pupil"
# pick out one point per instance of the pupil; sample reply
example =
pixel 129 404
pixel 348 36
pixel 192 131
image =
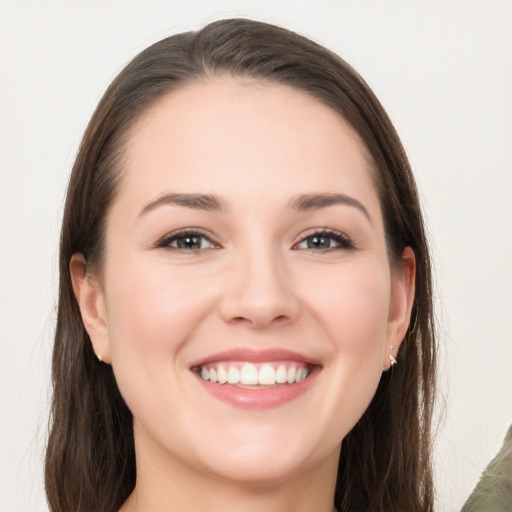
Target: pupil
pixel 189 242
pixel 319 242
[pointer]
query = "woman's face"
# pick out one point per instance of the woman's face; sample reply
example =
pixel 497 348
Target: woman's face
pixel 246 245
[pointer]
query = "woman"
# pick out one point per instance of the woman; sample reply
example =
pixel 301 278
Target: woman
pixel 242 253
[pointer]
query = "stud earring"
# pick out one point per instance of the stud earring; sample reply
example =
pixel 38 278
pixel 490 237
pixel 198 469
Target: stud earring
pixel 99 357
pixel 392 360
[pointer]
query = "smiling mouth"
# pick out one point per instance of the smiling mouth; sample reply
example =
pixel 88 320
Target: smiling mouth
pixel 256 379
pixel 252 375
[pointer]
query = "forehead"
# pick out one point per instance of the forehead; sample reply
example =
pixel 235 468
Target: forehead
pixel 245 138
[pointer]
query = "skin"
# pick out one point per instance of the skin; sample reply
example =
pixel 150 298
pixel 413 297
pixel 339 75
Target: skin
pixel 153 311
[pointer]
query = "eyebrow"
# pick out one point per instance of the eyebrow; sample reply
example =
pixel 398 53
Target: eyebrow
pixel 210 202
pixel 206 202
pixel 318 201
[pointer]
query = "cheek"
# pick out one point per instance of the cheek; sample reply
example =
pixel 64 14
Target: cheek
pixel 352 304
pixel 152 315
pixel 153 312
pixel 352 309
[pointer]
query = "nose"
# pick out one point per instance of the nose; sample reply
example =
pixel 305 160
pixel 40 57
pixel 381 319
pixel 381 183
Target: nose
pixel 258 291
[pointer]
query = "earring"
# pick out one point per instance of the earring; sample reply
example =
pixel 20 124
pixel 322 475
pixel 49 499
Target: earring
pixel 392 360
pixel 99 357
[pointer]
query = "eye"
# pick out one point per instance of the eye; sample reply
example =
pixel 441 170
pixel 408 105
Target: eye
pixel 187 241
pixel 324 239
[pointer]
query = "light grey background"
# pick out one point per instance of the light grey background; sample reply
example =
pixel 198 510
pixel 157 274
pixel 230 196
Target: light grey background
pixel 443 70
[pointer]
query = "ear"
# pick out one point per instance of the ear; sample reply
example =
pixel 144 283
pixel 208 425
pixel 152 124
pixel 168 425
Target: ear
pixel 401 301
pixel 91 301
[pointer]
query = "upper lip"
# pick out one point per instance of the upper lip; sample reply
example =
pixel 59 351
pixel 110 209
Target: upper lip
pixel 255 356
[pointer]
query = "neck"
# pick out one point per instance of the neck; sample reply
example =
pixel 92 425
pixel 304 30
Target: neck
pixel 173 486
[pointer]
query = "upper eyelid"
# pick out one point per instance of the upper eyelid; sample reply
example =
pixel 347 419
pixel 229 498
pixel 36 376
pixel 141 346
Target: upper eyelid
pixel 322 231
pixel 328 232
pixel 208 235
pixel 185 231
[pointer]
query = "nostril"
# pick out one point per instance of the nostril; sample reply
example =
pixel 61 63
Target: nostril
pixel 259 303
pixel 240 319
pixel 259 321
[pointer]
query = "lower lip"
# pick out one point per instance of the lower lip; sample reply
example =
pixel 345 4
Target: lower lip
pixel 262 398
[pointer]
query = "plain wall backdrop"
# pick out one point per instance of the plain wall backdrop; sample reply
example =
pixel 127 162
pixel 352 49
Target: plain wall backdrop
pixel 443 71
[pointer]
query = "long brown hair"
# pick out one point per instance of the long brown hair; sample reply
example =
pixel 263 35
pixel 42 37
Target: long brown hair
pixel 385 460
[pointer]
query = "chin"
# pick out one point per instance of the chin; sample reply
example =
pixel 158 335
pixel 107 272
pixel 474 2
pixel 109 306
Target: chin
pixel 259 471
pixel 263 456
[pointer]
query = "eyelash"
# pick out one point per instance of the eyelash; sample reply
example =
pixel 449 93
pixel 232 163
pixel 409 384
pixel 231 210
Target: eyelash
pixel 343 241
pixel 166 241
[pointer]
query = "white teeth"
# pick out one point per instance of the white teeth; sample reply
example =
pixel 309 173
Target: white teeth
pixel 267 375
pixel 281 374
pixel 248 374
pixel 233 375
pixel 222 375
pixel 300 376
